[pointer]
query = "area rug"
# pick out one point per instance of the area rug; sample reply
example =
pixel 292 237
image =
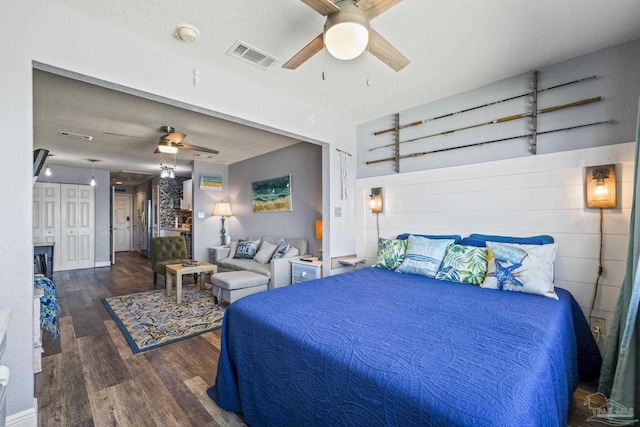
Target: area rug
pixel 151 319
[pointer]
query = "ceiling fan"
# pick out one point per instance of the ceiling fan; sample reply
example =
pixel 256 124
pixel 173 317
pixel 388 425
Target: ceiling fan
pixel 170 142
pixel 347 33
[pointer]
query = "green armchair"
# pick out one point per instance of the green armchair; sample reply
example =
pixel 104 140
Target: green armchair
pixel 165 251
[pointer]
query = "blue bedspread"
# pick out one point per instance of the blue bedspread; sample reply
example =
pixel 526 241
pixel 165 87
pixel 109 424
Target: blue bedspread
pixel 376 347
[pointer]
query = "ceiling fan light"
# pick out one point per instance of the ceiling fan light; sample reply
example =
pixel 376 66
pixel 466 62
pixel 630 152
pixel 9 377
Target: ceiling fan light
pixel 346 33
pixel 347 40
pixel 169 149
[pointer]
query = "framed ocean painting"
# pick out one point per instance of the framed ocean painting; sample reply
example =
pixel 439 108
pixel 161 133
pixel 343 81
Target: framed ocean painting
pixel 272 195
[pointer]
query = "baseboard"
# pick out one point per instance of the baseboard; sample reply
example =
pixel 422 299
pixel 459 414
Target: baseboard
pixel 27 418
pixel 102 264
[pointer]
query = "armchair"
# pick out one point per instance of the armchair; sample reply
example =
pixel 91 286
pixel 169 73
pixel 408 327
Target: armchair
pixel 167 250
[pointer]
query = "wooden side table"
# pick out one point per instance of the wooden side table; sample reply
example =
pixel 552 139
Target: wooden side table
pixel 180 270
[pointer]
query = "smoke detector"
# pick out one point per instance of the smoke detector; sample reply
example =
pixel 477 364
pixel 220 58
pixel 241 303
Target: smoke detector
pixel 187 33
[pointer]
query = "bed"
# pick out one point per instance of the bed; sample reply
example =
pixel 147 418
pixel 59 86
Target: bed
pixel 376 347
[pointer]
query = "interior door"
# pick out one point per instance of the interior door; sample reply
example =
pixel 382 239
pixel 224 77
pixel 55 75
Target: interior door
pixel 122 222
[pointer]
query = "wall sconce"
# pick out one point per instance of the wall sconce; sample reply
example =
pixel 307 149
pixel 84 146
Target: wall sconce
pixel 375 200
pixel 222 209
pixel 601 186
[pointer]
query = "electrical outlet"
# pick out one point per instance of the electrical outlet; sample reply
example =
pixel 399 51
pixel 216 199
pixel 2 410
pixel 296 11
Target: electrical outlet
pixel 597 325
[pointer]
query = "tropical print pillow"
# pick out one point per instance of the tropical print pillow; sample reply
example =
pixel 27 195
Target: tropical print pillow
pixel 464 264
pixel 390 253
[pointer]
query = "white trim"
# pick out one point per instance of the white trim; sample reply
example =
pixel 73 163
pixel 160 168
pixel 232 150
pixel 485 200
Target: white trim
pixel 102 264
pixel 26 418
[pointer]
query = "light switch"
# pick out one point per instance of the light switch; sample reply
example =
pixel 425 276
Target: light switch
pixel 200 214
pixel 337 211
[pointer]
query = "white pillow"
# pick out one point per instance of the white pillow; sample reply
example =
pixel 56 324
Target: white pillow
pixel 265 253
pixel 521 268
pixel 291 252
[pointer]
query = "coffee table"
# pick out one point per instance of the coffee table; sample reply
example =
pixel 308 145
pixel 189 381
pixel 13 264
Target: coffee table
pixel 180 270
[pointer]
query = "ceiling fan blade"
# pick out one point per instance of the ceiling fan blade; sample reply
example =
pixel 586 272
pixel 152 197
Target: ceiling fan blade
pixel 385 52
pixel 197 148
pixel 127 136
pixel 373 8
pixel 323 7
pixel 174 137
pixel 305 54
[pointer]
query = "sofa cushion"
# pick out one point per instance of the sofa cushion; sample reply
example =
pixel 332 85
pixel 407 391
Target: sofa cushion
pixel 266 251
pixel 291 252
pixel 238 280
pixel 264 269
pixel 245 264
pixel 246 249
pixel 298 243
pixel 281 250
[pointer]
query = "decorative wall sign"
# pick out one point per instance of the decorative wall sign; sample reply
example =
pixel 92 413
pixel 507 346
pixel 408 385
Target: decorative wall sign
pixel 272 195
pixel 211 183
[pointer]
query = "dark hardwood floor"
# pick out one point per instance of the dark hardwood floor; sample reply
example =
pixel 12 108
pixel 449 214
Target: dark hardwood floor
pixel 90 377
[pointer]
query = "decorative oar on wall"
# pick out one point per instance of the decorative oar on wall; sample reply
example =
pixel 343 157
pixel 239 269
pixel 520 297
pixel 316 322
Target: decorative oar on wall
pixel 500 120
pixel 420 122
pixel 528 135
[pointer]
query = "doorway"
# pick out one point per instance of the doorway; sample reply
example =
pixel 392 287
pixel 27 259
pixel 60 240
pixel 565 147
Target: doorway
pixel 122 223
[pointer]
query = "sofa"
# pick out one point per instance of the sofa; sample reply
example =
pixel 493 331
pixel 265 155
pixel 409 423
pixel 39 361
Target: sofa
pixel 277 271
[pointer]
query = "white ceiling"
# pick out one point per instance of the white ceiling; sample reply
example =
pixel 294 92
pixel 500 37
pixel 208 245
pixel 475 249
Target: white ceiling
pixel 453 46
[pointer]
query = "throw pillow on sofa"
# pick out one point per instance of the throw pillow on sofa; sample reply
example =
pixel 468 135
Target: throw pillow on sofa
pixel 281 250
pixel 246 249
pixel 263 256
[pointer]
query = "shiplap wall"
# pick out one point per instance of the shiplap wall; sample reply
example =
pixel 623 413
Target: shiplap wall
pixel 543 194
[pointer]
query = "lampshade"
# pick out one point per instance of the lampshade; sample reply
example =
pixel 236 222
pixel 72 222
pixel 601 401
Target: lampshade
pixel 346 33
pixel 601 186
pixel 319 229
pixel 375 200
pixel 222 209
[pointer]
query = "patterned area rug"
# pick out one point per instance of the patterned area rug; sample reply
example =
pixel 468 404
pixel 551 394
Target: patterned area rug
pixel 151 319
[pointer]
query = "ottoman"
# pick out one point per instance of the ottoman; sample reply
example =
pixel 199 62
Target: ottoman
pixel 233 285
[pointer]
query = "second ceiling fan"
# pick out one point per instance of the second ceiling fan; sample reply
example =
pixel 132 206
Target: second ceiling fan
pixel 347 33
pixel 172 140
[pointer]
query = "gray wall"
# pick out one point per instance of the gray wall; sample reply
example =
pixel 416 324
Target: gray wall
pixel 206 231
pixel 618 83
pixel 303 162
pixel 67 175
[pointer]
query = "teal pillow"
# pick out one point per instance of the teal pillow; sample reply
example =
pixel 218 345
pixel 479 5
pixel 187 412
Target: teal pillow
pixel 424 256
pixel 390 253
pixel 464 264
pixel 281 250
pixel 246 249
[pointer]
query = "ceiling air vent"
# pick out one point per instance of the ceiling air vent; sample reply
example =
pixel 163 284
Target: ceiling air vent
pixel 75 135
pixel 250 54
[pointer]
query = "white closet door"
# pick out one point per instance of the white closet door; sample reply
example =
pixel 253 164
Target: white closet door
pixel 86 227
pixel 50 212
pixel 77 227
pixel 68 253
pixel 37 213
